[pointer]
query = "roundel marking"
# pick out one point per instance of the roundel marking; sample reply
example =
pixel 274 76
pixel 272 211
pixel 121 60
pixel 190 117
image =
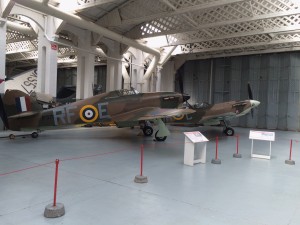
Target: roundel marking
pixel 178 117
pixel 88 113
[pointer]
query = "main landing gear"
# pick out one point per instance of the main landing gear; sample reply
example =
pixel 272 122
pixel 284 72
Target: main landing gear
pixel 160 135
pixel 160 138
pixel 229 131
pixel 147 129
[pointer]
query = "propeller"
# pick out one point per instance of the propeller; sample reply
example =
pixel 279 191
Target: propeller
pixel 185 97
pixel 250 95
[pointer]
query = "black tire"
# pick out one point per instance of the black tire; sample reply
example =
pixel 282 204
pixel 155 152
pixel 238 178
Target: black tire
pixel 34 135
pixel 148 131
pixel 229 131
pixel 160 138
pixel 11 136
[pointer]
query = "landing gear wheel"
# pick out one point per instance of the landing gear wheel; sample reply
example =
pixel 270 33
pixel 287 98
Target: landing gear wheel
pixel 34 135
pixel 11 136
pixel 229 131
pixel 148 131
pixel 160 138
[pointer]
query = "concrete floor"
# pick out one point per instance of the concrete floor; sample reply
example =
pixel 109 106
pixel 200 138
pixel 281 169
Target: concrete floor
pixel 98 165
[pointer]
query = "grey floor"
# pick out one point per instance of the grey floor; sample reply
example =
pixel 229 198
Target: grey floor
pixel 98 166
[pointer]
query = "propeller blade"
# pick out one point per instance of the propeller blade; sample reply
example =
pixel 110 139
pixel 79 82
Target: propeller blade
pixel 186 97
pixel 180 79
pixel 250 95
pixel 252 113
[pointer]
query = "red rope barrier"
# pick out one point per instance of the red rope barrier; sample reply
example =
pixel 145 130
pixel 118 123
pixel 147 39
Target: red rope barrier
pixel 67 159
pixel 28 168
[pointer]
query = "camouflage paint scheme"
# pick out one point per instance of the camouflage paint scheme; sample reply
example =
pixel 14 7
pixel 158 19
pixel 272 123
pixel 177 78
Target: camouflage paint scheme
pixel 120 106
pixel 214 114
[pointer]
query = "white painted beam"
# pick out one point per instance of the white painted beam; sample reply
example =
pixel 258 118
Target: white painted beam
pixel 6 7
pixel 180 11
pixel 195 56
pixel 226 22
pixel 248 45
pixel 92 4
pixel 79 22
pixel 286 29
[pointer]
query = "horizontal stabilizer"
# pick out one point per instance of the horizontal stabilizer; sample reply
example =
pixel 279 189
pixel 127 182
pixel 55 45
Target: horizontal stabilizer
pixel 23 115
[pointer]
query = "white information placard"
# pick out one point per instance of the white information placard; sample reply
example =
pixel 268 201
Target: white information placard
pixel 195 136
pixel 194 148
pixel 262 135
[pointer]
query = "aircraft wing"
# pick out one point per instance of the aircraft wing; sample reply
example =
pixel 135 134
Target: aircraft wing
pixel 214 120
pixel 149 113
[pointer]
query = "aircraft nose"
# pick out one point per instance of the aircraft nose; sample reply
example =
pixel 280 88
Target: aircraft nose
pixel 254 103
pixel 186 97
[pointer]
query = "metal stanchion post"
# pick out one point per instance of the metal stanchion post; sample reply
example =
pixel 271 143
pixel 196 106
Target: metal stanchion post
pixel 56 209
pixel 141 178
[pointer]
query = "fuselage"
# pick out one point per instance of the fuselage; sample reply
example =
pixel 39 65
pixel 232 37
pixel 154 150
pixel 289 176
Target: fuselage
pixel 100 108
pixel 213 113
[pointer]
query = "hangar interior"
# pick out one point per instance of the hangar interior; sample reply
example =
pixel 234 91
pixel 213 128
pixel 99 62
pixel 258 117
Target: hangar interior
pixel 116 44
pixel 211 50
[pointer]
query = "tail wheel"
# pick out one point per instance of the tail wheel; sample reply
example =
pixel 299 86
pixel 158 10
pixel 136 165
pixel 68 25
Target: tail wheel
pixel 148 131
pixel 229 131
pixel 11 136
pixel 34 135
pixel 160 138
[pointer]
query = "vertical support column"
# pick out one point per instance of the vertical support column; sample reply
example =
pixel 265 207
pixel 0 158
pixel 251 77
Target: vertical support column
pixel 2 52
pixel 2 58
pixel 166 77
pixel 47 61
pixel 125 76
pixel 158 80
pixel 110 75
pixel 114 67
pixel 138 71
pixel 85 67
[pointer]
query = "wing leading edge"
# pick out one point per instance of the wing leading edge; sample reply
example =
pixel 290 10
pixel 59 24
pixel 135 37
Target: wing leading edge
pixel 150 113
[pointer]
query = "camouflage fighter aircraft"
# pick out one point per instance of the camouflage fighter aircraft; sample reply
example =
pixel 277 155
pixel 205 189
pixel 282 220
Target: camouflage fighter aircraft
pixel 215 114
pixel 20 111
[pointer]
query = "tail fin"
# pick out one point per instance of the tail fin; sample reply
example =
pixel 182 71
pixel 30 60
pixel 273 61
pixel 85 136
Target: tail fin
pixel 17 104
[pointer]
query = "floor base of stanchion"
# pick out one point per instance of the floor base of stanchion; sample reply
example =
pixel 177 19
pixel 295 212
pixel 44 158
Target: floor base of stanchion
pixel 216 161
pixel 290 162
pixel 140 179
pixel 237 155
pixel 54 211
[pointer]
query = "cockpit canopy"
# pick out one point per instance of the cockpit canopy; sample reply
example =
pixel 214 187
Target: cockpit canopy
pixel 202 105
pixel 122 92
